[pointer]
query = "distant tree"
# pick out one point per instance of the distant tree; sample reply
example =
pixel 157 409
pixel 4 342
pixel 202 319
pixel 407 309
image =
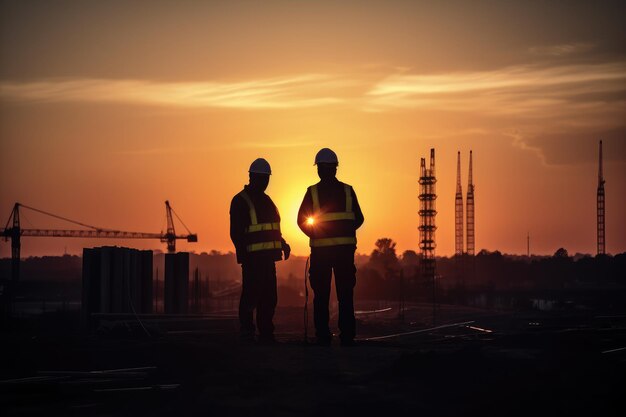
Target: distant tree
pixel 371 285
pixel 409 262
pixel 384 257
pixel 485 252
pixel 561 253
pixel 410 257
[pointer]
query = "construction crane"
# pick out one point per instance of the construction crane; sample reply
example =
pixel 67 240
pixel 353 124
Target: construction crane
pixel 15 232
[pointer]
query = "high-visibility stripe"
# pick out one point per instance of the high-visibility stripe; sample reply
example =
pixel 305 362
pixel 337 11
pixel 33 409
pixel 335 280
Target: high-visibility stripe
pixel 328 217
pixel 339 215
pixel 264 246
pixel 263 227
pixel 332 241
pixel 348 197
pixel 246 197
pixel 316 199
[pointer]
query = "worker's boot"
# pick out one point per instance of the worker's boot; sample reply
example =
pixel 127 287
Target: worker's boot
pixel 266 340
pixel 348 342
pixel 246 338
pixel 325 340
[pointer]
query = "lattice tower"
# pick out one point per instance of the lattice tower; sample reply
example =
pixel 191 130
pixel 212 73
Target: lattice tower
pixel 427 215
pixel 470 211
pixel 458 210
pixel 600 195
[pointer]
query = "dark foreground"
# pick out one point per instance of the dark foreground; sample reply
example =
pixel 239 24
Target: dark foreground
pixel 504 364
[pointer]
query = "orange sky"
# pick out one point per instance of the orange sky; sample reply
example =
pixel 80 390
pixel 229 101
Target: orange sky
pixel 108 109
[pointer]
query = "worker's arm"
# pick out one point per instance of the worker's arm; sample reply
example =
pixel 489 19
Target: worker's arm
pixel 306 210
pixel 358 214
pixel 285 246
pixel 238 223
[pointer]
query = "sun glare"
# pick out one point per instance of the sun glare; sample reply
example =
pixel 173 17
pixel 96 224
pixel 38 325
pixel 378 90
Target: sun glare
pixel 310 221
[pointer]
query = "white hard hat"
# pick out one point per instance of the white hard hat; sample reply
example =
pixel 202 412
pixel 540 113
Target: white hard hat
pixel 326 156
pixel 260 166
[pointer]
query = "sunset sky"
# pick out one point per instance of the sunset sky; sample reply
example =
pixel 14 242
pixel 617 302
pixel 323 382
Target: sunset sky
pixel 109 108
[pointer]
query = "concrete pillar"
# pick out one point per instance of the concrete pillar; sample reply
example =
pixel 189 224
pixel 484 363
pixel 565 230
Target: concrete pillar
pixel 176 283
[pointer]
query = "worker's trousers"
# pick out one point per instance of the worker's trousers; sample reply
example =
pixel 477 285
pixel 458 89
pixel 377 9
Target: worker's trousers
pixel 325 261
pixel 258 292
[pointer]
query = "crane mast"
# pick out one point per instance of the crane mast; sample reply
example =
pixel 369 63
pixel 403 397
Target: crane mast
pixel 170 235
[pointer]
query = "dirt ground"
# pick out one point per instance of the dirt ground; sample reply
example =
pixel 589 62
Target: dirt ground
pixel 469 362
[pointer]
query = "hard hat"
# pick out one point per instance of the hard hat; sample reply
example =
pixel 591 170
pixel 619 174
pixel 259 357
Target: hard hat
pixel 260 166
pixel 326 156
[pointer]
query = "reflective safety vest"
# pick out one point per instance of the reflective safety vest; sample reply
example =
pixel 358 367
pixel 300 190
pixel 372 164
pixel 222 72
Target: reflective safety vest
pixel 334 228
pixel 261 237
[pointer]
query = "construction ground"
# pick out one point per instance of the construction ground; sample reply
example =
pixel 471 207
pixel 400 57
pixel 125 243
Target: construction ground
pixel 470 362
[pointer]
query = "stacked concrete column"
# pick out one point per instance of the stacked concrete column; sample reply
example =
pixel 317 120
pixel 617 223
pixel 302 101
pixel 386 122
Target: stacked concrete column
pixel 116 280
pixel 176 283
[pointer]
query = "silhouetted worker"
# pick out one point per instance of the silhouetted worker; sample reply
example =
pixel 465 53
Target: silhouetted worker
pixel 255 231
pixel 329 216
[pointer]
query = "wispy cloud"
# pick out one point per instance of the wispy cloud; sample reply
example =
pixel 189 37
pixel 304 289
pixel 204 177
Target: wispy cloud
pixel 286 144
pixel 562 49
pixel 156 151
pixel 309 90
pixel 537 107
pixel 521 141
pixel 514 90
pixel 274 145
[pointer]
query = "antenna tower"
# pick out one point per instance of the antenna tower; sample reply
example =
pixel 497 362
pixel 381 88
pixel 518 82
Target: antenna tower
pixel 470 210
pixel 427 226
pixel 601 247
pixel 458 210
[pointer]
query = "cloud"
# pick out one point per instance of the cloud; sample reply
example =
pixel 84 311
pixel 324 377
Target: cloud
pixel 558 113
pixel 234 145
pixel 309 90
pixel 562 49
pixel 576 147
pixel 521 141
pixel 518 90
pixel 156 151
pixel 273 145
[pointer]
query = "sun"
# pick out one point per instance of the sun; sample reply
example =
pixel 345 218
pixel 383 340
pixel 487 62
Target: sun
pixel 310 221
